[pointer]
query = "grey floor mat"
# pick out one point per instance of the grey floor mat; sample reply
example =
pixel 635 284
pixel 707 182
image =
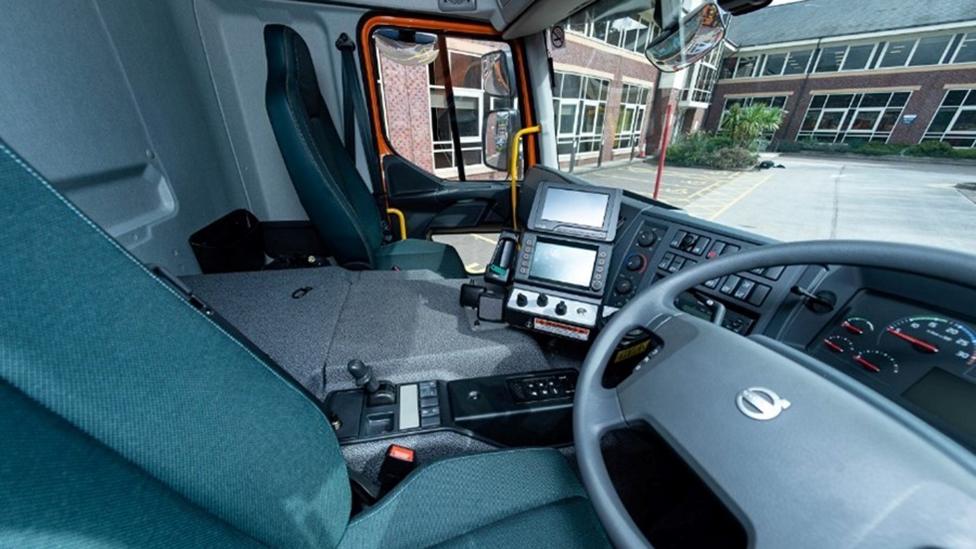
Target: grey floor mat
pixel 407 325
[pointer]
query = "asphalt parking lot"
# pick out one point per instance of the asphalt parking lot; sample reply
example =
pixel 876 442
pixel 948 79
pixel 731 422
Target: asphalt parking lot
pixel 811 198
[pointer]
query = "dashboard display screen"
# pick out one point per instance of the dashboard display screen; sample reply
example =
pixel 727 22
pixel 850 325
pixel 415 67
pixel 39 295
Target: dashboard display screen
pixel 566 264
pixel 575 207
pixel 949 397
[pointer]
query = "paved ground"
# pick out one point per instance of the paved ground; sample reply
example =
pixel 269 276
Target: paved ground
pixel 811 198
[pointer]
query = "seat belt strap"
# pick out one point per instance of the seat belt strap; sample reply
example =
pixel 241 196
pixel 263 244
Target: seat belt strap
pixel 354 113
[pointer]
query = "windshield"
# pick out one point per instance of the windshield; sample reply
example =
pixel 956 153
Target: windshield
pixel 792 134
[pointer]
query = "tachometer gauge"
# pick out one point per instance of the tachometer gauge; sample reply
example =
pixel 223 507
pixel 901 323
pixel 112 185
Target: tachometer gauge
pixel 839 344
pixel 932 335
pixel 876 362
pixel 857 325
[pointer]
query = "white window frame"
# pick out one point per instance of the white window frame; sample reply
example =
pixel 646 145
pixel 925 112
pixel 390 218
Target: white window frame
pixel 949 132
pixel 638 110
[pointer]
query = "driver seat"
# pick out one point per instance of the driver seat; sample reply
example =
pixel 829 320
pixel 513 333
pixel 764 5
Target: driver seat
pixel 129 418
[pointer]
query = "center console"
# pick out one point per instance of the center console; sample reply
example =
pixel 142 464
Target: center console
pixel 562 267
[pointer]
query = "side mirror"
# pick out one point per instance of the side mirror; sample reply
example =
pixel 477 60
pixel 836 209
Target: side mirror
pixel 692 38
pixel 498 74
pixel 500 127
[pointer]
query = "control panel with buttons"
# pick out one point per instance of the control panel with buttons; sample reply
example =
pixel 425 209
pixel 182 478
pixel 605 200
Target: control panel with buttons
pixel 636 265
pixel 545 387
pixel 538 302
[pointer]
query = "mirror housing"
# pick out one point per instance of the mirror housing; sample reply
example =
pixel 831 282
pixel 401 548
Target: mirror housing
pixel 692 38
pixel 498 74
pixel 500 128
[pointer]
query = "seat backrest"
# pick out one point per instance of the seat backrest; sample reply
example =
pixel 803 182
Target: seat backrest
pixel 325 177
pixel 143 400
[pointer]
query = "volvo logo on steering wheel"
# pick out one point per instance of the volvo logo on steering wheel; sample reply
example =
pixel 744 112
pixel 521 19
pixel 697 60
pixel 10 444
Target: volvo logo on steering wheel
pixel 760 403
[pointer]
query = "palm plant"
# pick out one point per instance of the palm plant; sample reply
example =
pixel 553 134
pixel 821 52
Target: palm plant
pixel 746 124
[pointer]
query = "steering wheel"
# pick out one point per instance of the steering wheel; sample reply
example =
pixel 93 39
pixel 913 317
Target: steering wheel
pixel 800 453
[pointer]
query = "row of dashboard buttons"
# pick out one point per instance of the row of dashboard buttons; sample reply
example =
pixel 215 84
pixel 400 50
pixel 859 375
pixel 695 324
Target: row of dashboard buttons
pixel 697 244
pixel 740 288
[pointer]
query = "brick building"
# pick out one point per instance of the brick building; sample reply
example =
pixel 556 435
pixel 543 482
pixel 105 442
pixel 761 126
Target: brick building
pixel 897 71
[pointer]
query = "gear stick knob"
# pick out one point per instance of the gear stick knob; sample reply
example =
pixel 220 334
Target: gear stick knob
pixel 362 375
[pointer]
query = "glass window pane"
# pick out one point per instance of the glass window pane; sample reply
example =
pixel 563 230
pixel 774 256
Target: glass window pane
pixel 831 58
pixel 865 120
pixel 941 120
pixel 472 157
pixel 967 50
pixel 443 159
pixel 589 119
pixel 600 115
pixel 774 64
pixel 571 86
pixel 468 116
pixel 465 71
pixel 613 35
pixel 954 97
pixel 888 121
pixel 897 53
pixel 818 101
pixel 797 62
pixel 600 30
pixel 899 99
pixel 966 122
pixel 857 57
pixel 745 67
pixel 971 99
pixel 831 120
pixel 592 88
pixel 839 101
pixel 929 50
pixel 810 122
pixel 875 99
pixel 567 118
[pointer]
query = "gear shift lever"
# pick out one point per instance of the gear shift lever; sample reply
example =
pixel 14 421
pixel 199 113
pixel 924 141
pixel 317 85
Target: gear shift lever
pixel 377 392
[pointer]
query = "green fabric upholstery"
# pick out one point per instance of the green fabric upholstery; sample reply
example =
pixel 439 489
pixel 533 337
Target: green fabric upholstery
pixel 414 254
pixel 129 418
pixel 61 488
pixel 90 334
pixel 326 180
pixel 486 500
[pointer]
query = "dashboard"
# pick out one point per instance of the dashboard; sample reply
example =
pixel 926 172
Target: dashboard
pixel 910 339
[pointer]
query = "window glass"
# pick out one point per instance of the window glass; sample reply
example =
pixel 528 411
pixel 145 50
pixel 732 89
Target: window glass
pixel 857 57
pixel 745 67
pixel 853 118
pixel 831 120
pixel 831 59
pixel 929 50
pixel 897 53
pixel 865 120
pixel 797 61
pixel 417 116
pixel 967 50
pixel 774 64
pixel 836 101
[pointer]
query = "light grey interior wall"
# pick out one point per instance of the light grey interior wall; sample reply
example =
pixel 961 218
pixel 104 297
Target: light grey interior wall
pixel 109 99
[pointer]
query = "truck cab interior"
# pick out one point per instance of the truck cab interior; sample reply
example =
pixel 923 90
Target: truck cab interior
pixel 225 320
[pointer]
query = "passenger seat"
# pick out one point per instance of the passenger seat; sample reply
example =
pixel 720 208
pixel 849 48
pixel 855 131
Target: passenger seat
pixel 325 177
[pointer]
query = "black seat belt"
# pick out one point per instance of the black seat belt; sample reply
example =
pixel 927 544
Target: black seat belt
pixel 354 112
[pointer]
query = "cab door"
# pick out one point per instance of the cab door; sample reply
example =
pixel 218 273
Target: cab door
pixel 429 115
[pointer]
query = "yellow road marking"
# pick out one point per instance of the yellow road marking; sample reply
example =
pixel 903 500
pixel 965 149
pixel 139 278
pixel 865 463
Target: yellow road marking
pixel 485 238
pixel 738 198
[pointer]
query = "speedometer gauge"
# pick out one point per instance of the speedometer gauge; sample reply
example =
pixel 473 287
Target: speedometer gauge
pixel 932 335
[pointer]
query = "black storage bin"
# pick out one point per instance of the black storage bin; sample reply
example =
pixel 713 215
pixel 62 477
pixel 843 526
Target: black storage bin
pixel 232 243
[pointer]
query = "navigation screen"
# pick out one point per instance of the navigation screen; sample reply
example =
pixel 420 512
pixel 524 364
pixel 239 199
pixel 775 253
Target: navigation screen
pixel 575 207
pixel 564 264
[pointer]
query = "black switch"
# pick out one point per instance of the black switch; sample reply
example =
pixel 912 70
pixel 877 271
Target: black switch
pixel 542 300
pixel 646 238
pixel 730 283
pixel 521 300
pixel 759 295
pixel 623 286
pixel 561 308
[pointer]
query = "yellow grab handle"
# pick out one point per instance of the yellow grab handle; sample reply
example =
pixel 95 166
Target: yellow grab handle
pixel 403 221
pixel 513 168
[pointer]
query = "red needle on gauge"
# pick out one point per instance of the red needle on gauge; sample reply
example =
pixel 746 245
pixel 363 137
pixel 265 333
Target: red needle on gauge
pixel 852 328
pixel 867 363
pixel 923 345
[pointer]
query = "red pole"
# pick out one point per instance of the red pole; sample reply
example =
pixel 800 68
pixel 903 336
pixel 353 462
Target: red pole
pixel 663 149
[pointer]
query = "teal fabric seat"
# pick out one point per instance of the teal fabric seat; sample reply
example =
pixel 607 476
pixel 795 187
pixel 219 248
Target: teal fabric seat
pixel 328 184
pixel 130 419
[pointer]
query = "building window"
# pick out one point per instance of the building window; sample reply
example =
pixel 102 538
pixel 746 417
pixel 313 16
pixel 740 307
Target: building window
pixel 580 104
pixel 909 52
pixel 831 59
pixel 955 121
pixel 630 33
pixel 630 121
pixel 777 101
pixel 701 79
pixel 853 117
pixel 469 109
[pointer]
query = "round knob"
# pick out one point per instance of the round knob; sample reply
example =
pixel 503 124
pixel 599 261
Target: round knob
pixel 635 262
pixel 646 239
pixel 542 300
pixel 623 286
pixel 561 308
pixel 521 300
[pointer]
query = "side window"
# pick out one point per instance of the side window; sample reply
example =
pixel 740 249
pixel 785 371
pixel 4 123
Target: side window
pixel 417 113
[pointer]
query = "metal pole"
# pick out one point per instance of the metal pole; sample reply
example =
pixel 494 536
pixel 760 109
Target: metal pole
pixel 572 154
pixel 663 150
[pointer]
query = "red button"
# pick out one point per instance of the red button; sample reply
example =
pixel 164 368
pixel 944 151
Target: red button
pixel 400 453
